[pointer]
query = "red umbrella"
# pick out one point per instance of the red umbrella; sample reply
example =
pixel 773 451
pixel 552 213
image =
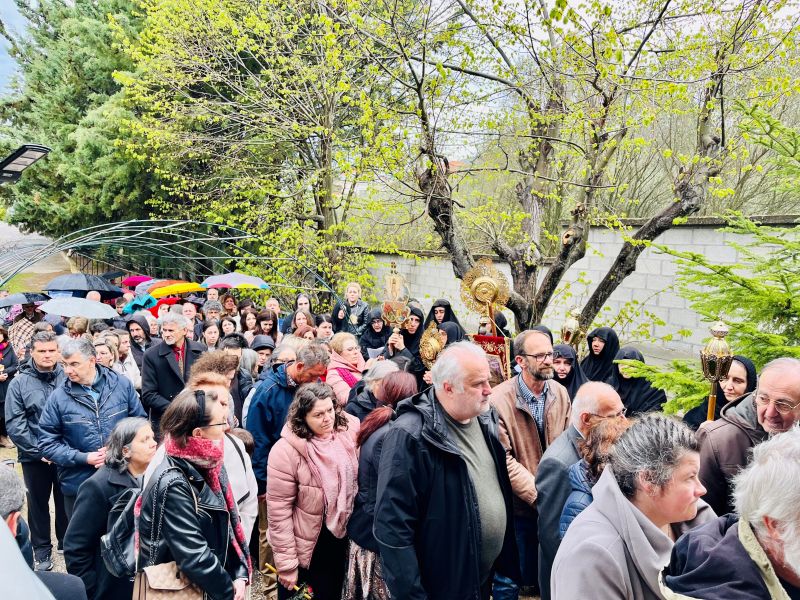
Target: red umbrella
pixel 135 280
pixel 169 301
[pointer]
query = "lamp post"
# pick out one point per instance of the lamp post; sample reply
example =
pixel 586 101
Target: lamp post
pixel 716 359
pixel 571 328
pixel 14 164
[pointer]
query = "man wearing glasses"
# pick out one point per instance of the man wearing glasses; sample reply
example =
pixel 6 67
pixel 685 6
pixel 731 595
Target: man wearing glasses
pixel 774 407
pixel 534 410
pixel 593 402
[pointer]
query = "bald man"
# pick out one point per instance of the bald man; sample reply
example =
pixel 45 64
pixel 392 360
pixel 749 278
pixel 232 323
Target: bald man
pixel 593 401
pixel 93 295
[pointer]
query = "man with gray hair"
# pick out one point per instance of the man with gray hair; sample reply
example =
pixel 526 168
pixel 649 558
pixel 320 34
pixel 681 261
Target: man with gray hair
pixel 166 366
pixel 754 552
pixel 80 415
pixel 774 407
pixel 212 310
pixel 593 402
pixel 443 517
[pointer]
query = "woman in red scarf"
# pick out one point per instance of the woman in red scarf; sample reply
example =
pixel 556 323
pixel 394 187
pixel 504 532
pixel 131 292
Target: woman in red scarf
pixel 346 366
pixel 187 512
pixel 8 368
pixel 312 480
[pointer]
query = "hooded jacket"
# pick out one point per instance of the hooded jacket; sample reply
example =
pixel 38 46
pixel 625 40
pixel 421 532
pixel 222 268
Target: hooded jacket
pixel 362 404
pixel 295 499
pixel 627 550
pixel 370 339
pixel 72 425
pixel 137 350
pixel 599 367
pixel 336 379
pixel 721 560
pixel 724 449
pixel 427 521
pixel 25 400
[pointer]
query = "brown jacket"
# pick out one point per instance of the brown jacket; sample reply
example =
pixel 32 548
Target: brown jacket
pixel 519 435
pixel 724 449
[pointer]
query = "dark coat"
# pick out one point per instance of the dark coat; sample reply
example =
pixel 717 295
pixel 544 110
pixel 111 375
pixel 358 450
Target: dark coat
pixel 265 418
pixel 710 562
pixel 359 527
pixel 95 498
pixel 579 498
pixel 25 400
pixel 553 487
pixel 196 536
pixel 10 366
pixel 369 338
pixel 136 349
pixel 426 513
pixel 359 313
pixel 363 404
pixel 161 378
pixel 725 448
pixel 72 426
pixel 239 391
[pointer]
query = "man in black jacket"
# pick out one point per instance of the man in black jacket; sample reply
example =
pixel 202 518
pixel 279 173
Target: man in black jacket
pixel 443 516
pixel 166 366
pixel 351 315
pixel 26 397
pixel 139 329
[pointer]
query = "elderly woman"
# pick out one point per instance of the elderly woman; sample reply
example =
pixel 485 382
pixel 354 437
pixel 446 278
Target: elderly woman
pixel 311 485
pixel 208 546
pixel 130 448
pixel 365 400
pixel 650 485
pixel 346 366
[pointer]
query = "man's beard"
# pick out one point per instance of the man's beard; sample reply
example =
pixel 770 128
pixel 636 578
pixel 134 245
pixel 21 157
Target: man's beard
pixel 539 376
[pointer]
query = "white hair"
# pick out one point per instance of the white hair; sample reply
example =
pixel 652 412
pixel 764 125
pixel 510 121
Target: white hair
pixel 586 401
pixel 448 367
pixel 764 488
pixel 175 318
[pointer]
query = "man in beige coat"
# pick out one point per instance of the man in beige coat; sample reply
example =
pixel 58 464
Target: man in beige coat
pixel 534 410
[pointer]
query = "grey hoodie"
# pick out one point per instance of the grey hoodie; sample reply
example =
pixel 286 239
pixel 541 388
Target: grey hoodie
pixel 611 550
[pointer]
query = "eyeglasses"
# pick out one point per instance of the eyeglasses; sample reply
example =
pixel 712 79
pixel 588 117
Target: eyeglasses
pixel 223 424
pixel 541 357
pixel 618 415
pixel 783 408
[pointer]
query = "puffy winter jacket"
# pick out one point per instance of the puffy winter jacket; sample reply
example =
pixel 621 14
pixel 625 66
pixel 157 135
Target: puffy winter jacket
pixel 295 500
pixel 25 400
pixel 72 425
pixel 359 527
pixel 336 380
pixel 362 404
pixel 579 498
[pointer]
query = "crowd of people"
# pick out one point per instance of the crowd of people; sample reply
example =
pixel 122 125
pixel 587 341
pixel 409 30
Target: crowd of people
pixel 217 438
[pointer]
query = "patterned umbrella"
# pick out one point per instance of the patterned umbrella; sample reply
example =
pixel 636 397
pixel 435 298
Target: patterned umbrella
pixel 235 280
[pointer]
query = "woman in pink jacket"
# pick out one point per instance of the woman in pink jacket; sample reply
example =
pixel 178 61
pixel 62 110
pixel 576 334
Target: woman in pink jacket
pixel 346 366
pixel 312 480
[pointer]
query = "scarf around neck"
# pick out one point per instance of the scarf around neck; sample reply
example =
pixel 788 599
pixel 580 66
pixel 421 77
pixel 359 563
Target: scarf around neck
pixel 334 462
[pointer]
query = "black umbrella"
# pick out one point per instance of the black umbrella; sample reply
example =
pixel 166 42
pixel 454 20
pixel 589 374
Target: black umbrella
pixel 112 275
pixel 23 298
pixel 80 282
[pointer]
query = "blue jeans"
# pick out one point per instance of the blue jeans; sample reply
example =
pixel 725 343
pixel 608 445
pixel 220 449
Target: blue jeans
pixel 527 533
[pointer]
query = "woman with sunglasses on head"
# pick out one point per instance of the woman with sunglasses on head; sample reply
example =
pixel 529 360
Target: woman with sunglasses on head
pixel 188 512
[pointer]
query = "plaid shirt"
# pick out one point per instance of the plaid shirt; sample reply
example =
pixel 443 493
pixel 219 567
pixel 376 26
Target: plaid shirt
pixel 535 404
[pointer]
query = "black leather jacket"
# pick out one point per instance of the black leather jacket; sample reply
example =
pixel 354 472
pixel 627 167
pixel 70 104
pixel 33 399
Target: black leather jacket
pixel 195 536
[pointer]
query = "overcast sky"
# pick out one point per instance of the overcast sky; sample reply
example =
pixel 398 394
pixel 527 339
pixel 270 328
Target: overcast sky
pixel 12 19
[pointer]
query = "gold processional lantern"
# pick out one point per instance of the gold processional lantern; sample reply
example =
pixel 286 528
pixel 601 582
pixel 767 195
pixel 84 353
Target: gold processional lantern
pixel 483 289
pixel 395 310
pixel 570 330
pixel 716 359
pixel 430 345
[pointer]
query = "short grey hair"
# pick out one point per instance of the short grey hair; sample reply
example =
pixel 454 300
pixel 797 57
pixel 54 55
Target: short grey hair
pixel 585 401
pixel 12 492
pixel 212 305
pixel 176 319
pixel 249 360
pixel 81 345
pixel 651 448
pixel 519 341
pixel 121 437
pixel 378 372
pixel 783 363
pixel 313 354
pixel 761 490
pixel 448 367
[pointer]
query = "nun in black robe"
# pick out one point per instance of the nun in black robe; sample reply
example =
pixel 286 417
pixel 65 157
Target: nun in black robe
pixel 599 367
pixel 449 315
pixel 575 378
pixel 697 416
pixel 638 395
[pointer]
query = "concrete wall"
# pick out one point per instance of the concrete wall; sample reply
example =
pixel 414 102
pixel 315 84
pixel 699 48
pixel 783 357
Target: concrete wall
pixel 651 285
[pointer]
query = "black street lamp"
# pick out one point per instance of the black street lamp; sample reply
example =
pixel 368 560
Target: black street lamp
pixel 14 164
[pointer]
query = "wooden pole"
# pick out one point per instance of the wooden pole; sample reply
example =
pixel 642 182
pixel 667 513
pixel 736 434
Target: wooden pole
pixel 712 402
pixel 491 319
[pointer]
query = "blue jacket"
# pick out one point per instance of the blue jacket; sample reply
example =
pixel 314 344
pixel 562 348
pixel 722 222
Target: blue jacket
pixel 265 419
pixel 579 498
pixel 72 424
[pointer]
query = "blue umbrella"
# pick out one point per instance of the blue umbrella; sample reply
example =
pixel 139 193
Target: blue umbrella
pixel 139 303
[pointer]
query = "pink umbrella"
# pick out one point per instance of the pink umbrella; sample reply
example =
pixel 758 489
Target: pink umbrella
pixel 135 280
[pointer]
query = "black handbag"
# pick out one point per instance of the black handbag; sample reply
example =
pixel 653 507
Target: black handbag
pixel 117 546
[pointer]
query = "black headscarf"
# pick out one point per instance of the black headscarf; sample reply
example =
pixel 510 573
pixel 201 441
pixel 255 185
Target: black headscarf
pixel 501 323
pixel 453 331
pixel 637 394
pixel 371 339
pixel 412 340
pixel 575 378
pixel 599 367
pixel 449 315
pixel 697 416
